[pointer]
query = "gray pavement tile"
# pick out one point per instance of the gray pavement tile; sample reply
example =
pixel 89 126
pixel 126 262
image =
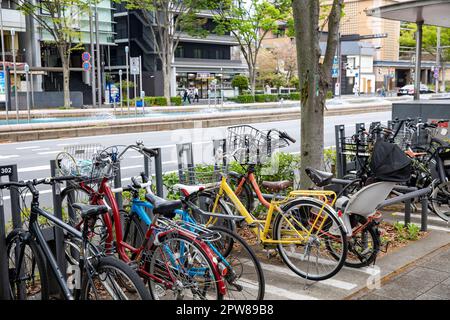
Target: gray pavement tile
pixel 441 290
pixel 439 264
pixel 406 287
pixel 427 296
pixel 428 273
pixel 373 296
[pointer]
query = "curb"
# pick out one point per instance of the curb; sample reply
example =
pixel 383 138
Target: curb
pixel 385 279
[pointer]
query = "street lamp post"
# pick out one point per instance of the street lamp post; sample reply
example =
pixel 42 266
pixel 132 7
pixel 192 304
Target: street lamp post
pixel 128 80
pixel 27 71
pixel 99 69
pixel 91 43
pixel 120 88
pixel 140 84
pixel 13 49
pixel 3 62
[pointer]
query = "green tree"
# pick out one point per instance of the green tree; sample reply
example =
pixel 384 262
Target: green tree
pixel 170 20
pixel 241 82
pixel 429 39
pixel 249 22
pixel 58 18
pixel 314 75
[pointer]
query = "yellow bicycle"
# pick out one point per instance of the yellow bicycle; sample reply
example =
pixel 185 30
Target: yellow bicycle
pixel 303 226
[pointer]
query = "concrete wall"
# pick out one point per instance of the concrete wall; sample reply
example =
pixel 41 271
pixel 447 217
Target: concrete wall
pixel 426 109
pixel 47 99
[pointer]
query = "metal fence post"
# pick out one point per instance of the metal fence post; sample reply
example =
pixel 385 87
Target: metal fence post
pixel 185 161
pixel 407 212
pixel 424 217
pixel 339 131
pixel 118 184
pixel 9 171
pixel 158 173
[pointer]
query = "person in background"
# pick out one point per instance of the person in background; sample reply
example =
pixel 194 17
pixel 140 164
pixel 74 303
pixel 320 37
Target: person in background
pixel 196 94
pixel 186 96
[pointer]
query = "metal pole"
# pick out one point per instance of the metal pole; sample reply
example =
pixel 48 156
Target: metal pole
pixel 121 95
pixel 13 49
pixel 438 55
pixel 221 85
pixel 135 97
pixel 99 69
pixel 128 79
pixel 424 214
pixel 359 73
pixel 32 90
pixel 158 173
pixel 140 83
pixel 407 212
pixel 27 71
pixel 3 61
pixel 418 60
pixel 340 63
pixel 91 43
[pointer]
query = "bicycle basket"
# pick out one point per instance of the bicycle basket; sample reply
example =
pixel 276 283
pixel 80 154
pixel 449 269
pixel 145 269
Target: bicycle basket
pixel 85 160
pixel 249 145
pixel 201 174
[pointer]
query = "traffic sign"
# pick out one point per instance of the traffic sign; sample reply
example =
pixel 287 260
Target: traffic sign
pixel 334 73
pixel 86 56
pixel 436 72
pixel 134 66
pixel 335 60
pixel 86 66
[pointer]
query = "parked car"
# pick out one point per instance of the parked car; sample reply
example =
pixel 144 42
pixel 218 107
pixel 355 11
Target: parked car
pixel 409 90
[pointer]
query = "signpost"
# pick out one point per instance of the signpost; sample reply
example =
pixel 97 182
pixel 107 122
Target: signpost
pixel 134 70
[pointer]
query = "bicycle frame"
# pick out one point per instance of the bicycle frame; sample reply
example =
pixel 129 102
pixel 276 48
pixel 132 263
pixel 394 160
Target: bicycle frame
pixel 262 228
pixel 121 246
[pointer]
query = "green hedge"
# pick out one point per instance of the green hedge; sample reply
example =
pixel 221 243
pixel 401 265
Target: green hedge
pixel 176 101
pixel 266 97
pixel 245 98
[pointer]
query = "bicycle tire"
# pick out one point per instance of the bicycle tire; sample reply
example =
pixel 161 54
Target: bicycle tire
pixel 238 240
pixel 437 197
pixel 246 195
pixel 39 260
pixel 177 236
pixel 283 254
pixel 140 291
pixel 370 230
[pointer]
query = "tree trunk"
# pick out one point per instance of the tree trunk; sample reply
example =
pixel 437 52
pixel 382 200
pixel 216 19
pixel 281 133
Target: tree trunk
pixel 66 76
pixel 167 72
pixel 306 15
pixel 252 78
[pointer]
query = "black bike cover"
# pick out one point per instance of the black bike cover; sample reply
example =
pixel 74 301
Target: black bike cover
pixel 389 162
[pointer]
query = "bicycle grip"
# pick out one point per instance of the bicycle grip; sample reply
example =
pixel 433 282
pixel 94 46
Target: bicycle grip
pixel 288 137
pixel 151 152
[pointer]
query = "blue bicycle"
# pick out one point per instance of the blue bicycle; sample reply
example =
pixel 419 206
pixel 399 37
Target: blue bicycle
pixel 236 260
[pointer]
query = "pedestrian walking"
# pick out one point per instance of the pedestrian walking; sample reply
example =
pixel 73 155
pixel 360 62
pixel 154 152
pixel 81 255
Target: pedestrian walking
pixel 196 94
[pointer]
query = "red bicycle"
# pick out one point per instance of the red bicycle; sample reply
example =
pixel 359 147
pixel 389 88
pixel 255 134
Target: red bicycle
pixel 178 261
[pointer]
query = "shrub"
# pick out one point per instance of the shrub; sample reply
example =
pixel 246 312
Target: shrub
pixel 294 96
pixel 176 101
pixel 266 97
pixel 241 82
pixel 329 95
pixel 245 98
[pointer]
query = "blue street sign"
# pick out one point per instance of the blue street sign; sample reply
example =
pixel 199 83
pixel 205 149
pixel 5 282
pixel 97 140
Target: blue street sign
pixel 86 66
pixel 86 56
pixel 2 82
pixel 334 73
pixel 335 60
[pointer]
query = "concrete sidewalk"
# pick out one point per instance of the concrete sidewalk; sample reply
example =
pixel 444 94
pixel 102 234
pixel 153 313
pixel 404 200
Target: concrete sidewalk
pixel 426 279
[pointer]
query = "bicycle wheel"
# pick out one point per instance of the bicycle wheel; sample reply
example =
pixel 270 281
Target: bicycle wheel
pixel 112 280
pixel 307 254
pixel 244 277
pixel 181 270
pixel 363 246
pixel 134 232
pixel 440 200
pixel 28 279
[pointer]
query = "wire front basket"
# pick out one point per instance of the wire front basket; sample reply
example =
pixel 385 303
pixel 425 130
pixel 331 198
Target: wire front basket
pixel 202 174
pixel 354 146
pixel 249 145
pixel 88 161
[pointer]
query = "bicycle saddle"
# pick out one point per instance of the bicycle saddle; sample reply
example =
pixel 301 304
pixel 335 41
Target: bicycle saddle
pixel 88 210
pixel 320 178
pixel 162 206
pixel 276 186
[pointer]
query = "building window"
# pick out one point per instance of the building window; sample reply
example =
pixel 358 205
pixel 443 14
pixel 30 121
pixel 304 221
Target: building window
pixel 179 52
pixel 197 53
pixel 219 54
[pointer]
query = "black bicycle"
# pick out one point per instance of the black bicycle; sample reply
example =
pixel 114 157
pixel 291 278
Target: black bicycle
pixel 94 276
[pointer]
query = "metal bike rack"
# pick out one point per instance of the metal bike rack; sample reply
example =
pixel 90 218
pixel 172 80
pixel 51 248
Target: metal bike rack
pixel 9 171
pixel 185 158
pixel 158 171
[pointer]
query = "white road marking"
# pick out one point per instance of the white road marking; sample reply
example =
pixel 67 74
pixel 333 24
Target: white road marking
pixel 330 282
pixel 416 215
pixel 40 149
pixel 37 168
pixel 29 194
pixel 29 147
pixel 9 156
pixel 49 152
pixel 270 289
